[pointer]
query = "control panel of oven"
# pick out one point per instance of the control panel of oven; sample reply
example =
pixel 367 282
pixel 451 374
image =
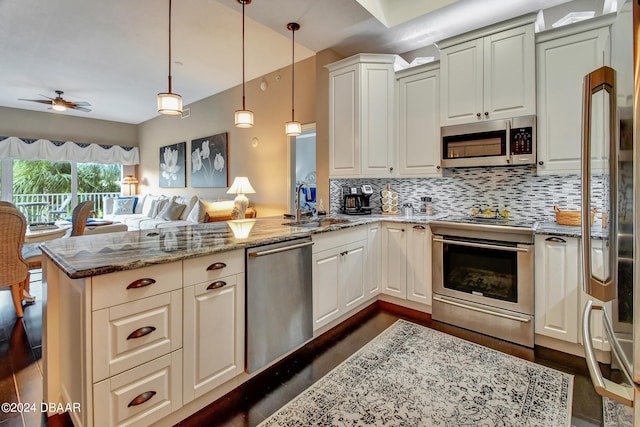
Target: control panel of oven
pixel 522 140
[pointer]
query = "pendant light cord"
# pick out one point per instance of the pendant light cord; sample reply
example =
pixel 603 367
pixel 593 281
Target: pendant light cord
pixel 293 74
pixel 243 97
pixel 170 89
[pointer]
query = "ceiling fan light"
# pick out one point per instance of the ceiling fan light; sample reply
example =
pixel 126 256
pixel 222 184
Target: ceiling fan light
pixel 58 106
pixel 169 104
pixel 293 128
pixel 244 118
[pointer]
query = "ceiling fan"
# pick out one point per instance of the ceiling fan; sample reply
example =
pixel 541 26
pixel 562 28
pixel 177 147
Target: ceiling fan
pixel 60 104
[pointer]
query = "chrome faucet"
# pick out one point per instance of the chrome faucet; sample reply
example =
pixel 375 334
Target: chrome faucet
pixel 306 184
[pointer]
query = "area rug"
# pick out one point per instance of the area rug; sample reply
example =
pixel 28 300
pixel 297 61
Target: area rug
pixel 616 414
pixel 415 376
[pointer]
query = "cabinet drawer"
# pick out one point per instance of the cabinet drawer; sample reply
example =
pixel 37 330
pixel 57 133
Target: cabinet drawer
pixel 212 267
pixel 333 239
pixel 125 286
pixel 141 396
pixel 130 334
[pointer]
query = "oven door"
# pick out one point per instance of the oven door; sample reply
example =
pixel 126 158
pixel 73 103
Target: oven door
pixel 491 273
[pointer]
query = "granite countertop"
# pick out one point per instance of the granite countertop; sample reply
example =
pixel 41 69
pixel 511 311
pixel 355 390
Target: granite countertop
pixel 96 254
pixel 555 229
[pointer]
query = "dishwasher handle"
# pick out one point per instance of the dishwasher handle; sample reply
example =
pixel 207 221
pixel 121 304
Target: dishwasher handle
pixel 278 250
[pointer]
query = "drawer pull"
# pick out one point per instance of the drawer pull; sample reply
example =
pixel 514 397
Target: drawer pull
pixel 141 398
pixel 216 285
pixel 141 283
pixel 555 239
pixel 141 332
pixel 418 227
pixel 216 266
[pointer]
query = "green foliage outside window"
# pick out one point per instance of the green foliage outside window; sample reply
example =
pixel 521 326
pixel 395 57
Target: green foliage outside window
pixel 43 177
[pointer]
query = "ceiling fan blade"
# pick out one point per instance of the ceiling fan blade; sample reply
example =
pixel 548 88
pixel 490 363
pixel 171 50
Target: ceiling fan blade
pixel 45 96
pixel 82 104
pixel 80 109
pixel 42 101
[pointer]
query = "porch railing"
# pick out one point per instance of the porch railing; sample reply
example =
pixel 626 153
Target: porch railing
pixel 42 204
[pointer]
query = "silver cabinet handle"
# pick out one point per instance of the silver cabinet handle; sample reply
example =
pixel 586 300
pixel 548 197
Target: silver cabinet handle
pixel 278 250
pixel 481 310
pixel 555 240
pixel 481 245
pixel 603 386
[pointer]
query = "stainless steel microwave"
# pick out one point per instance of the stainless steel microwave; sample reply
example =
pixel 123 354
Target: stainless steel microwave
pixel 490 143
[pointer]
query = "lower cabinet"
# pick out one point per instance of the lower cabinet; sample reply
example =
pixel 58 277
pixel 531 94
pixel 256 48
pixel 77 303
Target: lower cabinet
pixel 339 274
pixel 406 261
pixel 213 334
pixel 559 298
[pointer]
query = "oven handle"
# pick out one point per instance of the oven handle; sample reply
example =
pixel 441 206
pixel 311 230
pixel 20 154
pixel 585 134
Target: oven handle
pixel 481 310
pixel 481 245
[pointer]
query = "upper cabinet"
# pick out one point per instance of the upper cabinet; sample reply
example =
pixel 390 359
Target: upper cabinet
pixel 489 74
pixel 361 116
pixel 418 112
pixel 564 57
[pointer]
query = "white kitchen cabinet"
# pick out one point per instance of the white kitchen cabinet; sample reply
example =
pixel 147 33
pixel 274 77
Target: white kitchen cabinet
pixel 339 274
pixel 488 74
pixel 418 109
pixel 559 294
pixel 361 116
pixel 214 313
pixel 373 264
pixel 394 261
pixel 564 56
pixel 557 287
pixel 419 264
pixel 406 261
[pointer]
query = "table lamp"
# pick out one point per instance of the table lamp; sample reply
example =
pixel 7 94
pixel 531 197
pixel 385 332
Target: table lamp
pixel 241 186
pixel 129 180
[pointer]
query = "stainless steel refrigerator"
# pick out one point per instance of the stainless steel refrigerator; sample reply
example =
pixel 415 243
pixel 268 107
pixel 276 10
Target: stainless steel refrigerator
pixel 610 182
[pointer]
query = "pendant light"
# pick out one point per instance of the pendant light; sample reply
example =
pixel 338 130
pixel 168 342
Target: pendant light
pixel 293 128
pixel 169 103
pixel 244 117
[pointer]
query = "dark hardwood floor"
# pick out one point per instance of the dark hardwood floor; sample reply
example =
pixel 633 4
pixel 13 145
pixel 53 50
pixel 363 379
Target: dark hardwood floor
pixel 254 401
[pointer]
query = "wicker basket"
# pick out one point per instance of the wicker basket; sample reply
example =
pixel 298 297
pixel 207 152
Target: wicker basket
pixel 571 217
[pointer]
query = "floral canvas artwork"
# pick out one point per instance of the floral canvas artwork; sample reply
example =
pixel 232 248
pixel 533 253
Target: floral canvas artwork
pixel 209 161
pixel 173 170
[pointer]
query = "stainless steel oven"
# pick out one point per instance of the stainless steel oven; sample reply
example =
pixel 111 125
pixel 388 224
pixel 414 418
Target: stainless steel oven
pixel 483 278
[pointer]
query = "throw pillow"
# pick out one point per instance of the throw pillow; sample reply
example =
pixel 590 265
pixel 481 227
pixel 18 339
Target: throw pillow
pixel 149 204
pixel 197 213
pixel 138 208
pixel 172 211
pixel 159 206
pixel 123 206
pixel 188 202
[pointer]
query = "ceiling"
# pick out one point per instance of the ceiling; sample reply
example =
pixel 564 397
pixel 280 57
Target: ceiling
pixel 114 54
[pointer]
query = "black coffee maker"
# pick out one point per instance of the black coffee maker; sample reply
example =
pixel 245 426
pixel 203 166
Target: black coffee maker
pixel 355 200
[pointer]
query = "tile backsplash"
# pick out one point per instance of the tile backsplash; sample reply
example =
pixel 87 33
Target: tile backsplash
pixel 519 189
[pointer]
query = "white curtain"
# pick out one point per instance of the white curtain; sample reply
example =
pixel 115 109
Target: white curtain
pixel 56 151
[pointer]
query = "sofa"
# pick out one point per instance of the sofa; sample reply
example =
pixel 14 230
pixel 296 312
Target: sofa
pixel 147 211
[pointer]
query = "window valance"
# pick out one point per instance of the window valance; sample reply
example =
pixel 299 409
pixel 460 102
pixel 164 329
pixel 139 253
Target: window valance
pixel 12 147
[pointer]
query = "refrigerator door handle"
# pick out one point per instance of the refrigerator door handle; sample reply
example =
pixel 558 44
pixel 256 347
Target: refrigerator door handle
pixel 604 387
pixel 602 79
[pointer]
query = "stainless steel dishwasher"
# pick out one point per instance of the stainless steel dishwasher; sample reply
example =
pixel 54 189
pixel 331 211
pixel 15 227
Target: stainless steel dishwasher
pixel 279 300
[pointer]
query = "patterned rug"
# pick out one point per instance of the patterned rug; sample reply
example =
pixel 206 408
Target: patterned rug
pixel 616 414
pixel 415 376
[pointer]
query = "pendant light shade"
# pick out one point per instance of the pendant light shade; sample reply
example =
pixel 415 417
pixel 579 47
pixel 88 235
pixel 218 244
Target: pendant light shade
pixel 244 117
pixel 169 103
pixel 293 128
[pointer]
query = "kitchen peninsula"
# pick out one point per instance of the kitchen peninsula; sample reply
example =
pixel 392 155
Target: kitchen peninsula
pixel 149 326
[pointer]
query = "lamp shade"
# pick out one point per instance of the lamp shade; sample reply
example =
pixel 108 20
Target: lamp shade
pixel 244 118
pixel 129 180
pixel 241 185
pixel 169 103
pixel 293 128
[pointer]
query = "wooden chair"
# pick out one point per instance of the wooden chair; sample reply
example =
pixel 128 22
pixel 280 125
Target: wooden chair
pixel 79 217
pixel 14 272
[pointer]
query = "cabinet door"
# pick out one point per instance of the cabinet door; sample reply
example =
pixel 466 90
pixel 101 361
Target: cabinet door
pixel 326 286
pixel 419 124
pixel 213 334
pixel 509 74
pixel 562 64
pixel 461 83
pixel 352 274
pixel 376 119
pixel 344 118
pixel 419 264
pixel 557 287
pixel 374 264
pixel 394 264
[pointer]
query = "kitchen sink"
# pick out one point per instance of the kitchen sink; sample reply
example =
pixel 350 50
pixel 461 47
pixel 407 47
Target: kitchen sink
pixel 323 222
